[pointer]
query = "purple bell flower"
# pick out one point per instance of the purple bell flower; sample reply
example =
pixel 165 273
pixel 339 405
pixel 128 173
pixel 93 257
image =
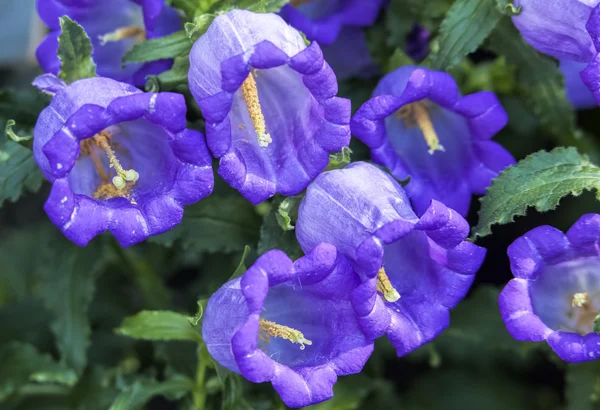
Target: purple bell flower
pixel 591 74
pixel 414 270
pixel 291 324
pixel 337 26
pixel 555 295
pixel 419 126
pixel 118 159
pixel 113 26
pixel 557 27
pixel 269 101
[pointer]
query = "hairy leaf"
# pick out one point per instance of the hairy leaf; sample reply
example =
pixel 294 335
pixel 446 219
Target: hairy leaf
pixel 68 289
pixel 18 171
pixel 21 364
pixel 160 48
pixel 467 24
pixel 215 224
pixel 158 325
pixel 539 181
pixel 138 394
pixel 74 52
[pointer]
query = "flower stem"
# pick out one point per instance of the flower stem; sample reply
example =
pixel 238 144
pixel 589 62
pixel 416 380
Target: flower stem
pixel 199 392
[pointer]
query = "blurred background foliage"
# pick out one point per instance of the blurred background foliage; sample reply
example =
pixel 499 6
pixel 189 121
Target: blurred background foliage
pixel 71 332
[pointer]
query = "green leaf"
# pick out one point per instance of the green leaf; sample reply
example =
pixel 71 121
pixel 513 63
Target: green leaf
pixel 583 386
pixel 287 212
pixel 170 79
pixel 18 171
pixel 348 394
pixel 68 289
pixel 465 27
pixel 339 160
pixel 475 327
pixel 21 364
pixel 74 52
pixel 158 325
pixel 8 130
pixel 142 391
pixel 539 181
pixel 160 48
pixel 542 85
pixel 215 224
pixel 273 237
pixel 241 268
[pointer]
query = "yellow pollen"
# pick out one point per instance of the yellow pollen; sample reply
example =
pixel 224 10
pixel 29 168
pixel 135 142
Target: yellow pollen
pixel 417 113
pixel 250 93
pixel 275 330
pixel 580 300
pixel 122 33
pixel 384 286
pixel 120 184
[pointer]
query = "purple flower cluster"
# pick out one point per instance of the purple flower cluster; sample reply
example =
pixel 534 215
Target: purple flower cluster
pixel 567 30
pixel 113 26
pixel 379 260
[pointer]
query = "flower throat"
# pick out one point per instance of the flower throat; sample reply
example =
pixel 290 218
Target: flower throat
pixel 120 184
pixel 416 114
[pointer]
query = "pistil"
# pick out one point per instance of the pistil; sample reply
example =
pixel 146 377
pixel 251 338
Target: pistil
pixel 416 113
pixel 123 33
pixel 272 329
pixel 385 287
pixel 250 93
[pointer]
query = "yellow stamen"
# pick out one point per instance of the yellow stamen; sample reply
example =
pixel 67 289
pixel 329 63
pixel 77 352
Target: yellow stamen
pixel 250 93
pixel 122 182
pixel 580 300
pixel 385 287
pixel 417 113
pixel 123 33
pixel 284 332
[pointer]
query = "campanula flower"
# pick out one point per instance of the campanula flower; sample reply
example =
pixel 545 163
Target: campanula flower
pixel 555 295
pixel 414 270
pixel 113 26
pixel 557 27
pixel 591 74
pixel 291 324
pixel 419 126
pixel 269 101
pixel 118 159
pixel 337 26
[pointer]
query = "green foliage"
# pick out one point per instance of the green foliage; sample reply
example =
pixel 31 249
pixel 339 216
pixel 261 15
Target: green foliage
pixel 68 289
pixel 541 180
pixel 583 386
pixel 21 364
pixel 465 27
pixel 287 212
pixel 160 48
pixel 159 325
pixel 542 86
pixel 214 224
pixel 138 394
pixel 18 171
pixel 74 52
pixel 272 236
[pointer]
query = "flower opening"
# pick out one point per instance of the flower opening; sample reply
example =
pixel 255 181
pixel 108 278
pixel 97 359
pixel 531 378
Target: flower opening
pixel 416 114
pixel 555 295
